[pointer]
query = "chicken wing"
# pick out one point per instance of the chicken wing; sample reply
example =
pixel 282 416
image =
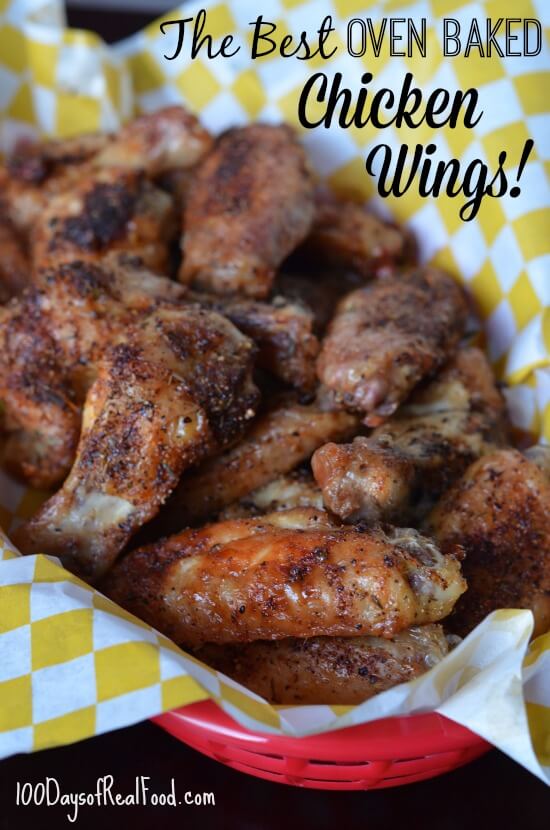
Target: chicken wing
pixel 281 330
pixel 289 574
pixel 158 142
pixel 346 235
pixel 297 489
pixel 499 514
pixel 113 210
pixel 180 385
pixel 154 144
pixel 387 337
pixel 399 472
pixel 14 265
pixel 250 204
pixel 277 442
pixel 341 671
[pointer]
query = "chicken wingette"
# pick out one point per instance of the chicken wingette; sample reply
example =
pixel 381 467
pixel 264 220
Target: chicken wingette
pixel 401 469
pixel 250 204
pixel 179 387
pixel 292 573
pixel 498 514
pixel 341 671
pixel 387 337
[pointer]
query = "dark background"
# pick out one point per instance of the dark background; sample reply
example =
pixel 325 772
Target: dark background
pixel 492 792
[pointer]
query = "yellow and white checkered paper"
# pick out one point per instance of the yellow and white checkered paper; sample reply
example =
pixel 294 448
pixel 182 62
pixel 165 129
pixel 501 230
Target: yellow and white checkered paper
pixel 72 664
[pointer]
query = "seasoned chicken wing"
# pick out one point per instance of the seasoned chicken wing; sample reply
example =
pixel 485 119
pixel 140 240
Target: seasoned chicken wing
pixel 277 442
pixel 346 235
pixel 288 574
pixel 250 204
pixel 180 385
pixel 154 144
pixel 14 265
pixel 158 142
pixel 113 210
pixel 499 514
pixel 282 331
pixel 387 337
pixel 296 489
pixel 52 339
pixel 400 471
pixel 340 671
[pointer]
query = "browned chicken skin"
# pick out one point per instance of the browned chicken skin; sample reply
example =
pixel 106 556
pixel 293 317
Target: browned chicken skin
pixel 52 339
pixel 277 442
pixel 340 671
pixel 250 204
pixel 114 210
pixel 348 236
pixel 179 386
pixel 288 574
pixel 499 514
pixel 282 331
pixel 154 143
pixel 386 337
pixel 401 469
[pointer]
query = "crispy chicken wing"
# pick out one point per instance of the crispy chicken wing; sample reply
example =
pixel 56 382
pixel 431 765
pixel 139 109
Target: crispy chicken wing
pixel 289 574
pixel 499 514
pixel 387 337
pixel 277 442
pixel 14 265
pixel 329 670
pixel 250 204
pixel 113 210
pixel 346 235
pixel 155 144
pixel 158 142
pixel 399 472
pixel 180 385
pixel 282 331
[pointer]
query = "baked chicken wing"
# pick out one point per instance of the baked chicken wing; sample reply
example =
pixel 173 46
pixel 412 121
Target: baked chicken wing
pixel 387 337
pixel 398 472
pixel 288 574
pixel 341 671
pixel 250 204
pixel 114 209
pixel 499 515
pixel 178 387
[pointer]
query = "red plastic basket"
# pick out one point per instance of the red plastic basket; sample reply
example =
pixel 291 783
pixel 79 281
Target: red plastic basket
pixel 399 750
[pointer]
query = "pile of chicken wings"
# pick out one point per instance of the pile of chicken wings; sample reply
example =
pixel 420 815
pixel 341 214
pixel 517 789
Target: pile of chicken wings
pixel 259 422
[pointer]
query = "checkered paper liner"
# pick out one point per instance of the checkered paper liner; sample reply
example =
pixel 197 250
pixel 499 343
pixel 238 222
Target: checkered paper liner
pixel 73 664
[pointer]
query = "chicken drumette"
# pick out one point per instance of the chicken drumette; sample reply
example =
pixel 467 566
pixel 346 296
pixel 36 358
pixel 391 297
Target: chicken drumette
pixel 386 337
pixel 250 204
